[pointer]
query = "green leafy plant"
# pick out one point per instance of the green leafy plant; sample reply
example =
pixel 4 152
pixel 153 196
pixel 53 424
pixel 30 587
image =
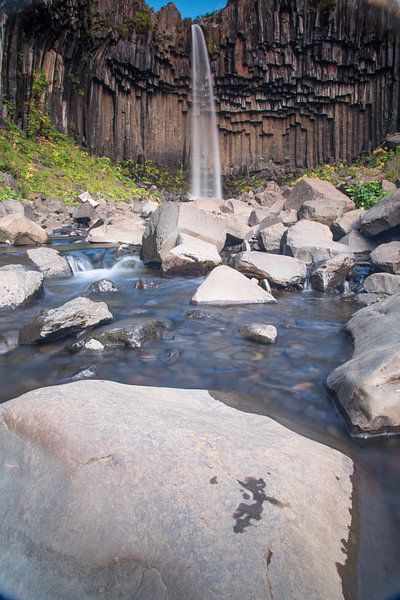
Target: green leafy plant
pixel 247 184
pixel 366 195
pixel 6 193
pixel 148 173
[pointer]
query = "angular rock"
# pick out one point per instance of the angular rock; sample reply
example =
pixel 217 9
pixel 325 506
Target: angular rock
pixel 170 220
pixel 271 198
pixel 309 189
pixel 50 262
pixel 367 386
pixel 367 299
pixel 18 286
pixel 360 245
pixel 346 223
pixel 86 198
pixel 232 510
pixel 288 217
pixel 237 228
pixel 148 207
pixel 387 257
pixel 17 230
pixel 382 283
pixel 311 242
pixel 227 286
pixel 103 286
pixel 260 332
pixel 11 207
pixel 124 231
pixel 281 271
pixel 118 337
pixel 192 256
pixel 324 210
pixel 237 207
pixel 271 237
pixel 71 317
pixel 84 214
pixel 383 216
pixel 332 274
pixel 258 215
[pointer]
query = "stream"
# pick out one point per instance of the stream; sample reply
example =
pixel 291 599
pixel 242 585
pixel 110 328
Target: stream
pixel 285 381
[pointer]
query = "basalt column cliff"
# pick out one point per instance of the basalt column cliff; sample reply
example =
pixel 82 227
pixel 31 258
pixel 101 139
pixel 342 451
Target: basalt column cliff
pixel 299 82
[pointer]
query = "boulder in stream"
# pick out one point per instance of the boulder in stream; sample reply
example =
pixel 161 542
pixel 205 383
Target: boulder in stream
pixel 50 262
pixel 18 286
pixel 17 230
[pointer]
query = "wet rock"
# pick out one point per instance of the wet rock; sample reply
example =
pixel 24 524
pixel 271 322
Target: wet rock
pixel 311 242
pixel 347 223
pixel 119 231
pixel 260 332
pixel 71 317
pixel 18 286
pixel 360 245
pixel 367 386
pixel 97 452
pixel 147 284
pixel 331 275
pixel 118 337
pixel 319 193
pixel 191 257
pixel 271 237
pixel 382 283
pixel 170 220
pixel 198 315
pixel 281 271
pixel 8 341
pixel 50 262
pixel 367 299
pixel 17 230
pixel 383 216
pixel 103 286
pixel 227 286
pixel 387 257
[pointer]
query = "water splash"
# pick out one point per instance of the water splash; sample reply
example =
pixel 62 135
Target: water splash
pixel 79 263
pixel 206 161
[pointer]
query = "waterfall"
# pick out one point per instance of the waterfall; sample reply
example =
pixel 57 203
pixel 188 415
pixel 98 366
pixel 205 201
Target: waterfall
pixel 206 162
pixel 79 263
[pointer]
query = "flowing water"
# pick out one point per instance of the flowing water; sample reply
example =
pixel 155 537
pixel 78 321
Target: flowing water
pixel 284 381
pixel 206 162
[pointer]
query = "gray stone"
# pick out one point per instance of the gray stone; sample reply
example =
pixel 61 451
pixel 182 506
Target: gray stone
pixel 119 231
pixel 311 242
pixel 346 223
pixel 148 207
pixel 383 216
pixel 237 227
pixel 84 214
pixel 259 332
pixel 86 198
pixel 50 263
pixel 147 284
pixel 258 215
pixel 8 341
pixel 103 286
pixel 271 237
pixel 288 217
pixel 170 220
pixel 309 189
pixel 387 257
pixel 71 317
pixel 281 271
pixel 382 283
pixel 237 207
pixel 392 141
pixel 18 286
pixel 120 491
pixel 367 299
pixel 360 245
pixel 17 230
pixel 367 386
pixel 121 337
pixel 192 256
pixel 324 210
pixel 227 286
pixel 332 274
pixel 389 186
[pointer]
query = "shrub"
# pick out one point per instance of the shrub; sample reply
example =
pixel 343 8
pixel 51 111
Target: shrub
pixel 366 195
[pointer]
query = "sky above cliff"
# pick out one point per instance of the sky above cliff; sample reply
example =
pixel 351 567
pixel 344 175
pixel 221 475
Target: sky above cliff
pixel 188 8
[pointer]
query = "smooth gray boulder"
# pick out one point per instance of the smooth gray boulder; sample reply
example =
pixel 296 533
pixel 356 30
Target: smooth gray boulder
pixel 50 262
pixel 227 286
pixel 152 493
pixel 237 228
pixel 119 231
pixel 382 283
pixel 260 333
pixel 174 218
pixel 132 336
pixel 331 275
pixel 387 257
pixel 71 317
pixel 18 286
pixel 346 223
pixel 192 257
pixel 360 245
pixel 271 237
pixel 311 242
pixel 383 216
pixel 17 230
pixel 281 271
pixel 311 190
pixel 367 386
pixel 325 210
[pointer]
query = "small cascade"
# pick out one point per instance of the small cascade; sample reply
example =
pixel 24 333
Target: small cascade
pixel 79 263
pixel 307 287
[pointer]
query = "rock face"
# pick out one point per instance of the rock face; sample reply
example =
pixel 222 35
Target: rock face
pixel 16 229
pixel 311 242
pixel 387 257
pixel 71 317
pixel 232 510
pixel 227 286
pixel 50 263
pixel 367 386
pixel 382 216
pixel 281 271
pixel 18 286
pixel 292 87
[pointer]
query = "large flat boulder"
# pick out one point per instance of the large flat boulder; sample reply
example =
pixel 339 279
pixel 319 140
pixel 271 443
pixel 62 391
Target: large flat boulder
pixel 192 256
pixel 367 386
pixel 281 271
pixel 18 286
pixel 73 316
pixel 118 491
pixel 17 230
pixel 382 283
pixel 311 190
pixel 120 231
pixel 50 262
pixel 172 219
pixel 311 242
pixel 383 216
pixel 325 210
pixel 227 286
pixel 387 257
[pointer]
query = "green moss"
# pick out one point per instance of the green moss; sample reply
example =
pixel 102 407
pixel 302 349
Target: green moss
pixel 38 121
pixel 148 173
pixel 247 184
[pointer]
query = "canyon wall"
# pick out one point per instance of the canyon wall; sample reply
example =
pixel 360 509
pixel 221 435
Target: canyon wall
pixel 298 82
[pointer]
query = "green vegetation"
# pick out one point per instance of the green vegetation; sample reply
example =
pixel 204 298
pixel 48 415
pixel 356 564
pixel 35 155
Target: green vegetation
pixel 141 23
pixel 56 167
pixel 148 173
pixel 248 184
pixel 39 121
pixel 365 195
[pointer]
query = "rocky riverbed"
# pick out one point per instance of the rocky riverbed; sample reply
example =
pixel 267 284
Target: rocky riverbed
pixel 249 299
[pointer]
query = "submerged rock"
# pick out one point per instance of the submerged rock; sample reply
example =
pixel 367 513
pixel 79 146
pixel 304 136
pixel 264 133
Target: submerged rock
pixel 103 286
pixel 168 493
pixel 147 284
pixel 129 337
pixel 71 317
pixel 17 230
pixel 50 263
pixel 260 332
pixel 18 286
pixel 281 271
